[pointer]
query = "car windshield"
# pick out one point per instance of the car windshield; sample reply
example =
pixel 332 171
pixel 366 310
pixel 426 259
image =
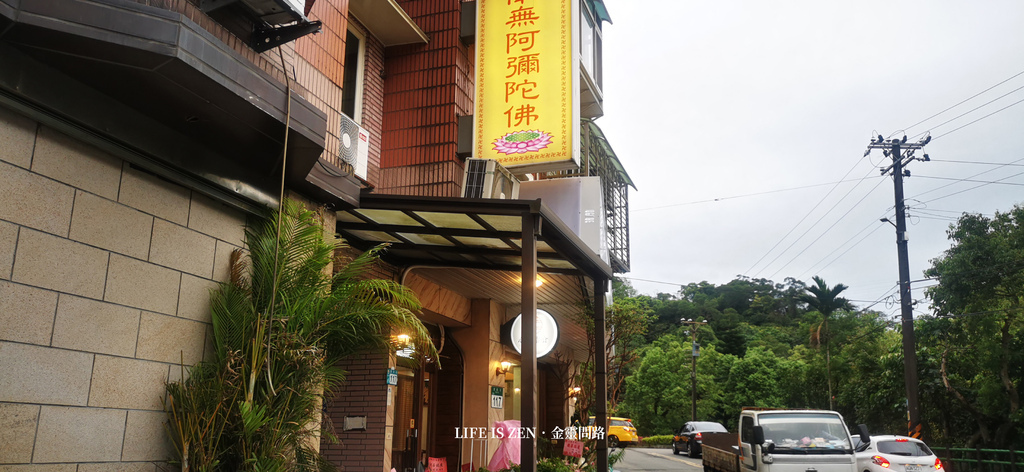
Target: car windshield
pixel 904 448
pixel 621 423
pixel 805 433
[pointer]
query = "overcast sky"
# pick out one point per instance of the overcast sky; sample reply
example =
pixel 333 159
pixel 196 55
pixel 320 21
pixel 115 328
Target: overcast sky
pixel 717 107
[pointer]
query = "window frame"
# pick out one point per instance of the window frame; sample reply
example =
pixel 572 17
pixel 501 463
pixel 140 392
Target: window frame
pixel 359 79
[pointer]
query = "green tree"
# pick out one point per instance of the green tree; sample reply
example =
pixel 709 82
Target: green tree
pixel 754 380
pixel 826 300
pixel 279 327
pixel 658 394
pixel 980 292
pixel 628 319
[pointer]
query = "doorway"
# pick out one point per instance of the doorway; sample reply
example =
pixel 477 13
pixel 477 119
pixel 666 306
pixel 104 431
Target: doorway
pixel 428 405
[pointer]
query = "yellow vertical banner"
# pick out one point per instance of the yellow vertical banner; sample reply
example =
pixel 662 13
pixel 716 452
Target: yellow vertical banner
pixel 527 72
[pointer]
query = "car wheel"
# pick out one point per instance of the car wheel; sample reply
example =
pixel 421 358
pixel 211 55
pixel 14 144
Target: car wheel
pixel 690 452
pixel 675 449
pixel 613 441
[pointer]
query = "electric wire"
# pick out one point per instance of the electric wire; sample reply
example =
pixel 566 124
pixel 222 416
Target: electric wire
pixel 1001 164
pixel 826 231
pixel 820 201
pixel 994 182
pixel 840 256
pixel 865 228
pixel 972 188
pixel 975 109
pixel 967 99
pixel 977 120
pixel 711 200
pixel 917 197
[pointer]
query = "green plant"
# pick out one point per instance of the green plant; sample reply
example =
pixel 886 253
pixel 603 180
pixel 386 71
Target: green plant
pixel 663 440
pixel 279 327
pixel 553 465
pixel 615 457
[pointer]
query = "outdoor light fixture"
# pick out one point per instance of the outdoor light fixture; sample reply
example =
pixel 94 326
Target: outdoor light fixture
pixel 539 282
pixel 403 339
pixel 503 368
pixel 574 392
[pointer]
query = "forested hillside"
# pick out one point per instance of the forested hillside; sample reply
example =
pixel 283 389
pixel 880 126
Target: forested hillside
pixel 791 343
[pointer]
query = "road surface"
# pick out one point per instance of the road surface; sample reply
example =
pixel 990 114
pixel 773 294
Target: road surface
pixel 645 459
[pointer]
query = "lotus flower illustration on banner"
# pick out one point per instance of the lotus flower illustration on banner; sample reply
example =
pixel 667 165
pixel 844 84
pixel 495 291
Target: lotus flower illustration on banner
pixel 519 142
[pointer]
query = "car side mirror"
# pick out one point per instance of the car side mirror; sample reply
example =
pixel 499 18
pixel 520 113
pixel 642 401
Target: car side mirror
pixel 758 435
pixel 865 438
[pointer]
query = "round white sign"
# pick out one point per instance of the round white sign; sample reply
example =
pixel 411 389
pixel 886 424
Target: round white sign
pixel 547 333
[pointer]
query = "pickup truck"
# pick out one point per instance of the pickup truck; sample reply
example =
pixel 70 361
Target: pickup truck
pixel 784 441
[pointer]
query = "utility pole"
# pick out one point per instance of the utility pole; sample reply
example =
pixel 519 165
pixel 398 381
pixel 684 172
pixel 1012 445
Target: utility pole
pixel 693 365
pixel 902 153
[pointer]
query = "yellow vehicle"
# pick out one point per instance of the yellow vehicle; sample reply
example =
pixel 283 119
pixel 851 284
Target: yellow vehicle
pixel 620 432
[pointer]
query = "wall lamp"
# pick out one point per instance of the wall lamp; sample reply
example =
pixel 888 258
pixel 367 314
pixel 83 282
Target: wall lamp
pixel 503 368
pixel 575 392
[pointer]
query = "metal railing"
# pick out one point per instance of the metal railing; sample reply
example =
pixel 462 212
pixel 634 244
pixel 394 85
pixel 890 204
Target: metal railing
pixel 980 460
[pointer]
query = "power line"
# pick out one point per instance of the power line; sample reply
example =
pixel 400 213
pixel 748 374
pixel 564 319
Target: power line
pixel 979 119
pixel 873 223
pixel 977 107
pixel 988 312
pixel 969 189
pixel 712 200
pixel 654 281
pixel 966 100
pixel 969 180
pixel 816 205
pixel 969 177
pixel 824 232
pixel 808 229
pixel 1001 164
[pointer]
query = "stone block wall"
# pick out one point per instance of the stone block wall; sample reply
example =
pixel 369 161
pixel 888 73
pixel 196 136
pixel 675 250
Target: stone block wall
pixel 105 273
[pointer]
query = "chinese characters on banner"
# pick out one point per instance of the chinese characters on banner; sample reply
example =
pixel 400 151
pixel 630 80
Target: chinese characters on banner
pixel 572 448
pixel 527 114
pixel 437 464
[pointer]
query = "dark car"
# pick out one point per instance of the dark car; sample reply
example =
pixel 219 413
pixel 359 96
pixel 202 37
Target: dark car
pixel 688 438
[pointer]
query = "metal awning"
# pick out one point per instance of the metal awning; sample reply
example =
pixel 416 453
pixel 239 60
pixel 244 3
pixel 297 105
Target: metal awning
pixel 466 233
pixel 513 235
pixel 387 21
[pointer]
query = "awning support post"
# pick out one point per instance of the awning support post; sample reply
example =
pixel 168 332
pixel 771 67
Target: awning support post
pixel 531 228
pixel 600 373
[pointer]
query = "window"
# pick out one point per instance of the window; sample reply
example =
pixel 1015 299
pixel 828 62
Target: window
pixel 747 429
pixel 590 43
pixel 352 83
pixel 904 448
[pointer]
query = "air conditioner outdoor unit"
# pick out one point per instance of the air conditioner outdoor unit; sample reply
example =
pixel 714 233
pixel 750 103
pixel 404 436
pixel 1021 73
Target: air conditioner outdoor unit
pixel 355 145
pixel 277 12
pixel 485 178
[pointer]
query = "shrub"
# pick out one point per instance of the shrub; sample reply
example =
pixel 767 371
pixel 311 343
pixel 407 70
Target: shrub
pixel 651 441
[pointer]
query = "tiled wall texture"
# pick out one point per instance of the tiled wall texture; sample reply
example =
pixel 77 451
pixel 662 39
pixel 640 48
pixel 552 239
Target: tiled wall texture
pixel 314 62
pixel 363 394
pixel 426 89
pixel 105 274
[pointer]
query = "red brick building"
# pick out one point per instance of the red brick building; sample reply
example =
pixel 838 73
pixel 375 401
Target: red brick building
pixel 138 134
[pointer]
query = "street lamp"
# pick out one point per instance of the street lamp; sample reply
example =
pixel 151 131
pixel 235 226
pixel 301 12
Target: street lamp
pixel 693 364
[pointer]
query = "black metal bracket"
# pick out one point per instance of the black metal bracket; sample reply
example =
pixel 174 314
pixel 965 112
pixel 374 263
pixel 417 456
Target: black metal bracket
pixel 265 39
pixel 210 5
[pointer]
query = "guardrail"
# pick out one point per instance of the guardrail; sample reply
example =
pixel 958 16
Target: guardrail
pixel 980 460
